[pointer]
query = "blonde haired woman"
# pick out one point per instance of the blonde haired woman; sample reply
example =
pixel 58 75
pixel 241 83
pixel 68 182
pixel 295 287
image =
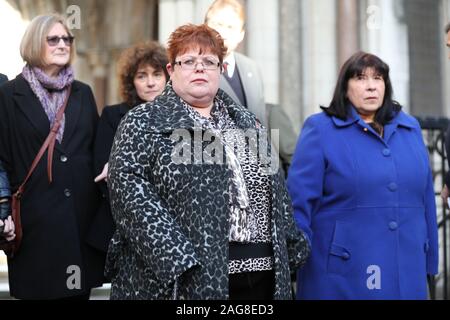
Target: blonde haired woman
pixel 53 261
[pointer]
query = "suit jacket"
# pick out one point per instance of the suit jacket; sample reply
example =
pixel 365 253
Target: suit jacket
pixel 285 145
pixel 56 216
pixel 271 118
pixel 253 87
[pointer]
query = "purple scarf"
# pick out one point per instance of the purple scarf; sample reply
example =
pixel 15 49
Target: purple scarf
pixel 51 92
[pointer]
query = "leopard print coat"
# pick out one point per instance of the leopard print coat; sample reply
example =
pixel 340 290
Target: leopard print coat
pixel 172 217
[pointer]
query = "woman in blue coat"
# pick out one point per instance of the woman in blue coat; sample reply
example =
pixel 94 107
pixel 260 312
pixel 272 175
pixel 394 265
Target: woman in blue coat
pixel 362 190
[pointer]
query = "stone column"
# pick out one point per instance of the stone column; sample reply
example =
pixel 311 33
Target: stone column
pixel 347 29
pixel 385 33
pixel 173 13
pixel 445 18
pixel 98 63
pixel 290 52
pixel 308 56
pixel 262 39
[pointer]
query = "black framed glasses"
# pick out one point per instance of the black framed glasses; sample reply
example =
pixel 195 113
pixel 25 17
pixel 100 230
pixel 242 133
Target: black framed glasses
pixel 54 40
pixel 191 63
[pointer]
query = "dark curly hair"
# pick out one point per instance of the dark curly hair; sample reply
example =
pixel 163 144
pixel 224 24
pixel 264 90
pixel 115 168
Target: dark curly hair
pixel 146 53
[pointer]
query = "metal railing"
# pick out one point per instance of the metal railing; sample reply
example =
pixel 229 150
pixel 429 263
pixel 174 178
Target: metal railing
pixel 434 130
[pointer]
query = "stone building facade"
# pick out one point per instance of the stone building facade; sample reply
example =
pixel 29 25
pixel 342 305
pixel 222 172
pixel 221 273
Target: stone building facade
pixel 299 44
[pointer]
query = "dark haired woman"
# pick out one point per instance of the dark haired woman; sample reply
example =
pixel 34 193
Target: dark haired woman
pixel 362 189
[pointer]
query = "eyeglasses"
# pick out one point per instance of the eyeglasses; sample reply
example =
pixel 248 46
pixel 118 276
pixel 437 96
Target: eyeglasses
pixel 191 63
pixel 54 40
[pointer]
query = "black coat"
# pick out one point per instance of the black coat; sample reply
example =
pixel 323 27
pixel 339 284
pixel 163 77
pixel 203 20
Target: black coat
pixel 103 226
pixel 56 216
pixel 3 78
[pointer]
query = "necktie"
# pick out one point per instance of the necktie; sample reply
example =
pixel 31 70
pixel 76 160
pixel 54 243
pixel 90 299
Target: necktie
pixel 225 69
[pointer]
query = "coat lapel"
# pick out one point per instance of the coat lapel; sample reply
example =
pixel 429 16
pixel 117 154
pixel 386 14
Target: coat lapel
pixel 400 120
pixel 29 104
pixel 225 86
pixel 72 113
pixel 246 77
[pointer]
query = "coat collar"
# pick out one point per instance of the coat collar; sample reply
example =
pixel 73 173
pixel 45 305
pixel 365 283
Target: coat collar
pixel 401 119
pixel 29 104
pixel 170 107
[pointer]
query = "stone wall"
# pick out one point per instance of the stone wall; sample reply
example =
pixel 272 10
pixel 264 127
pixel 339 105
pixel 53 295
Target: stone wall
pixel 105 29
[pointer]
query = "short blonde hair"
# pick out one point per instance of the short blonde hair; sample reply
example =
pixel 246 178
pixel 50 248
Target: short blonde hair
pixel 33 42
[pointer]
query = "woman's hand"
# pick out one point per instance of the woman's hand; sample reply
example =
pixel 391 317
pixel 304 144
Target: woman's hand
pixel 103 175
pixel 8 229
pixel 5 208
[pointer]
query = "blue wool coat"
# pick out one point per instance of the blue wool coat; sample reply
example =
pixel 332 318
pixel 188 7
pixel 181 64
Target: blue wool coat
pixel 367 205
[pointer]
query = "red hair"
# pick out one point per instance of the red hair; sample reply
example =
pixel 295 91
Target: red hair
pixel 191 37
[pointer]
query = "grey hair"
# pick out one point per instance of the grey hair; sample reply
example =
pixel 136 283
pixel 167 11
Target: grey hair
pixel 33 41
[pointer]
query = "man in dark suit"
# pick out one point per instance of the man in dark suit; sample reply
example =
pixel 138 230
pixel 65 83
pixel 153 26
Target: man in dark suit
pixel 3 78
pixel 242 80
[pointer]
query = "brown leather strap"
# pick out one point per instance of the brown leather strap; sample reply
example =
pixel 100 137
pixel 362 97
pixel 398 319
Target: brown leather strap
pixel 53 134
pixel 48 143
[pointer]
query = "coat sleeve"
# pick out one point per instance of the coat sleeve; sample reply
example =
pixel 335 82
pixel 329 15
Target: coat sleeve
pixel 297 244
pixel 5 190
pixel 306 175
pixel 432 228
pixel 5 162
pixel 447 151
pixel 140 214
pixel 430 211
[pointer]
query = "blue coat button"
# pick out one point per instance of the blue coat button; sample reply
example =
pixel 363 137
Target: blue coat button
pixel 386 152
pixel 346 256
pixel 393 225
pixel 393 187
